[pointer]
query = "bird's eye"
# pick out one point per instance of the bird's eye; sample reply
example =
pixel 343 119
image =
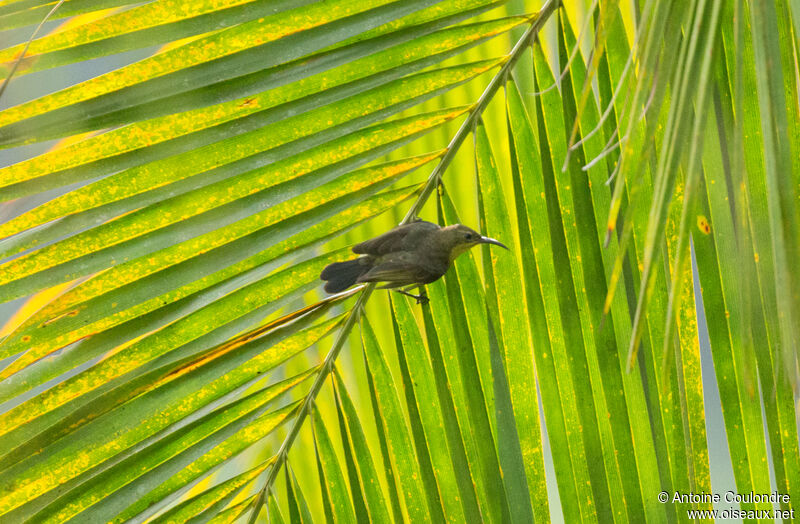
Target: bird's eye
pixel 468 236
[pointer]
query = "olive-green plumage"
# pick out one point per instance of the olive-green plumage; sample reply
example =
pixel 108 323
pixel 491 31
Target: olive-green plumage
pixel 409 255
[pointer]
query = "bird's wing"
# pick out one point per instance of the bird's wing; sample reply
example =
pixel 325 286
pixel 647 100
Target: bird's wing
pixel 392 240
pixel 397 272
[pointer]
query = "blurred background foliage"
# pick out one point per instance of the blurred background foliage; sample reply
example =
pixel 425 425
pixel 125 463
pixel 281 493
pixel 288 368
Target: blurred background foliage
pixel 174 175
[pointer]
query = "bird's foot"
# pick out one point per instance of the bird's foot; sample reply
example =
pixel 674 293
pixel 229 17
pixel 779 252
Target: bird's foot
pixel 422 298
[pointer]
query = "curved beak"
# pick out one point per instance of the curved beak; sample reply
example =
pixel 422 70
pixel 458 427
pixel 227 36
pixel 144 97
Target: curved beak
pixel 487 240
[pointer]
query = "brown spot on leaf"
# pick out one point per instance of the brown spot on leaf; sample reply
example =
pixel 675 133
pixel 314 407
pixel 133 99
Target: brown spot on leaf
pixel 703 225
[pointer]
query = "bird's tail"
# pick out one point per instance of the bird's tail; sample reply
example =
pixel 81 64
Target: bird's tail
pixel 342 275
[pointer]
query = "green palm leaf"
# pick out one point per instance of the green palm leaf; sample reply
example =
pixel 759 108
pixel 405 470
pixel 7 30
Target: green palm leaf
pixel 175 361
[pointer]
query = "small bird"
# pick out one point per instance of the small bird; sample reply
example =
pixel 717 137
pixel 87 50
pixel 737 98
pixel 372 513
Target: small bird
pixel 409 255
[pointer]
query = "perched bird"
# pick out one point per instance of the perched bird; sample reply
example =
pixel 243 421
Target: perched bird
pixel 409 255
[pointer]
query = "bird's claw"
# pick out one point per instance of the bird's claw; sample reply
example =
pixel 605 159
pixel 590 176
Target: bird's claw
pixel 422 298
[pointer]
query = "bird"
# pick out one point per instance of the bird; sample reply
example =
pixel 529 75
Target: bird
pixel 410 255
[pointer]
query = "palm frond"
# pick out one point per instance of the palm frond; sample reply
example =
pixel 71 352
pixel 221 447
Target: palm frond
pixel 184 368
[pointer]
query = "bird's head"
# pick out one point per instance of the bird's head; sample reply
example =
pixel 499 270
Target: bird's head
pixel 458 239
